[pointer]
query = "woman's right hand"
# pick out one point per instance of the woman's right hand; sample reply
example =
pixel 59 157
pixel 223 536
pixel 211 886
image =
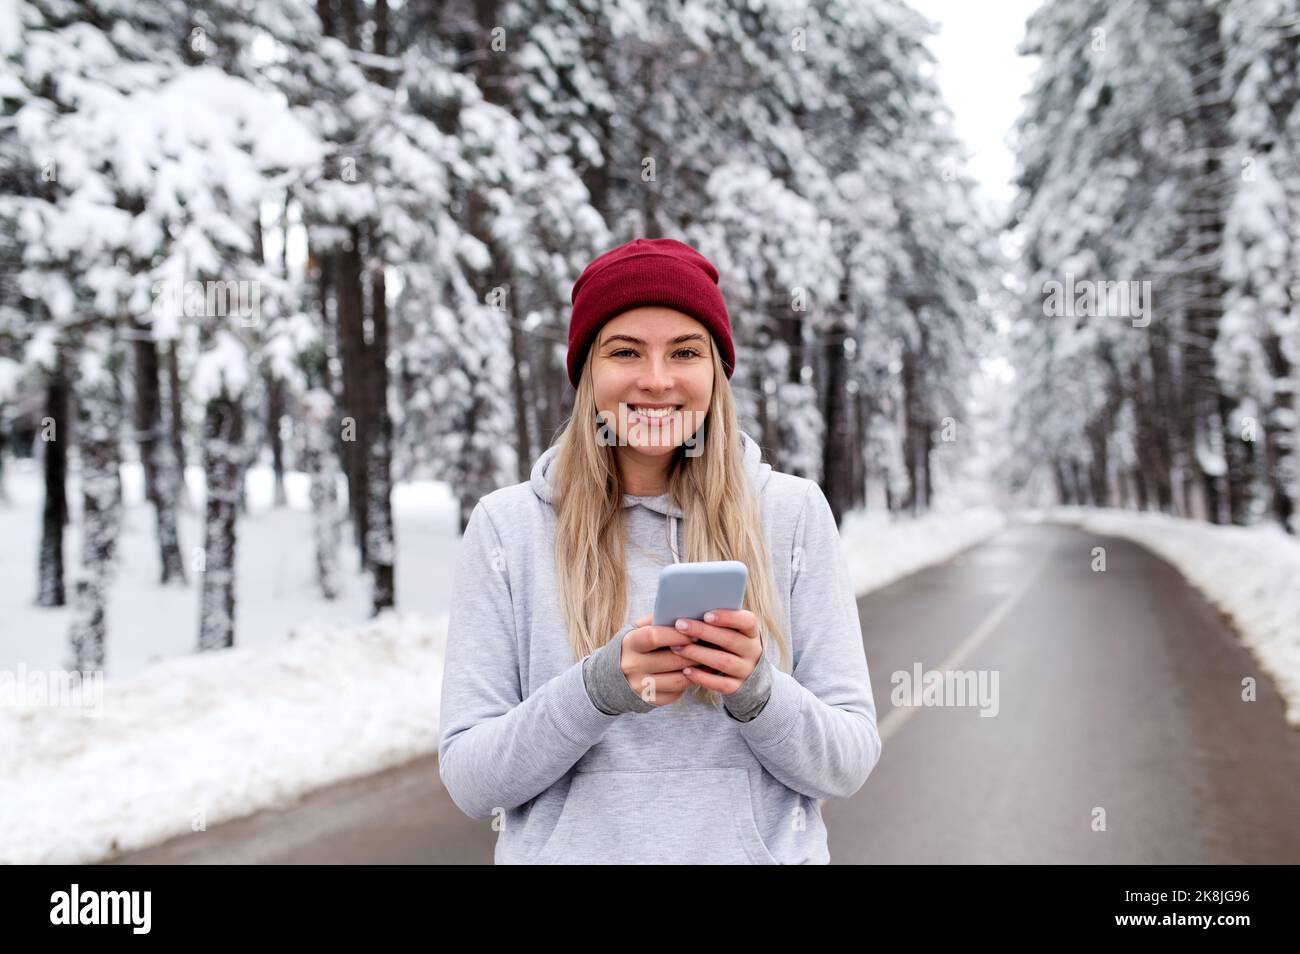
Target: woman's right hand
pixel 647 661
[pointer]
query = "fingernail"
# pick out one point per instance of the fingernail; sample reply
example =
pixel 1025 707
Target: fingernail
pixel 681 624
pixel 676 649
pixel 709 617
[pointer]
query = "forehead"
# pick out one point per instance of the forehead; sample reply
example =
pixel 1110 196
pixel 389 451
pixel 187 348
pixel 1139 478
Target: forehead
pixel 651 323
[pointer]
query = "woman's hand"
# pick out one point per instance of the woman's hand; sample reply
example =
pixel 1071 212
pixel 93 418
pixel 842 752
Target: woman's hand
pixel 648 663
pixel 738 650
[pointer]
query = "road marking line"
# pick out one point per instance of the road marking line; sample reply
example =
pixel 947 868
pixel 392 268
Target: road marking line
pixel 897 717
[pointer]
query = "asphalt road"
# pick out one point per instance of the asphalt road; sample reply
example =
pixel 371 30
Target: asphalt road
pixel 1118 701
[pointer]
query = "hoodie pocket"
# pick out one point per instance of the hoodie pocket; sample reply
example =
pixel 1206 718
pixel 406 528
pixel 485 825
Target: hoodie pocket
pixel 683 816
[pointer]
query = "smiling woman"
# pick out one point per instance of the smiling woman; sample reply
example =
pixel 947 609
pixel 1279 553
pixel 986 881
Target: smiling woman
pixel 599 737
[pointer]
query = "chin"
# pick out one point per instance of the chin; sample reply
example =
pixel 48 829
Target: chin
pixel 652 448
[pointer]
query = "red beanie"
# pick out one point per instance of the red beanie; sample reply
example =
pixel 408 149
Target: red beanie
pixel 647 272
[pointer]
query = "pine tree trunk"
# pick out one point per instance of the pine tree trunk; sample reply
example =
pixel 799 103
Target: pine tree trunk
pixel 758 383
pixel 223 455
pixel 1152 477
pixel 1063 495
pixel 1079 483
pixel 246 461
pixel 54 434
pixel 170 490
pixel 146 407
pixel 176 424
pixel 1137 490
pixel 356 386
pixel 836 467
pixel 1239 455
pixel 1099 462
pixel 321 464
pixel 523 440
pixel 381 545
pixel 99 421
pixel 927 474
pixel 911 431
pixel 325 10
pixel 1210 138
pixel 274 412
pixel 858 473
pixel 1162 431
pixel 160 485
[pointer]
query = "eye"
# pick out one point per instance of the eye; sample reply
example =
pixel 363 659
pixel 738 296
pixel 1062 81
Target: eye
pixel 690 352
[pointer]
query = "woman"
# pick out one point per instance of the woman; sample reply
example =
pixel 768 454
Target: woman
pixel 593 736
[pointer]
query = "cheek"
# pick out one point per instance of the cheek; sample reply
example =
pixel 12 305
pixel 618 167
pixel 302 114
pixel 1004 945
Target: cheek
pixel 699 392
pixel 607 387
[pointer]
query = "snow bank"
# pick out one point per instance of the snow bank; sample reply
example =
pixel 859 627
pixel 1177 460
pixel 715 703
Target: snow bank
pixel 1252 574
pixel 197 740
pixel 880 550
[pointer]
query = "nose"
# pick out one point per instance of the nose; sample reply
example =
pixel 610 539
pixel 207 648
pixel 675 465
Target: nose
pixel 657 376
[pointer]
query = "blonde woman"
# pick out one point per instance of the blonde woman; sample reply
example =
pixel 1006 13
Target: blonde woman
pixel 594 736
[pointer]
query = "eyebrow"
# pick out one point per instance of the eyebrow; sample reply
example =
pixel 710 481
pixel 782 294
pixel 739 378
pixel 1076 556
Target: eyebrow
pixel 695 336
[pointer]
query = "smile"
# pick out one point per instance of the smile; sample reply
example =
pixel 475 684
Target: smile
pixel 651 412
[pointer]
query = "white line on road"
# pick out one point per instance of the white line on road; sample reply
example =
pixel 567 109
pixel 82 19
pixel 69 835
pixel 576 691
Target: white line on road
pixel 897 717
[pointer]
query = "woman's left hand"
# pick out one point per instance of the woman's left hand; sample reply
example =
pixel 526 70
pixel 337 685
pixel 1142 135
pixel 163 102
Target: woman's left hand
pixel 735 634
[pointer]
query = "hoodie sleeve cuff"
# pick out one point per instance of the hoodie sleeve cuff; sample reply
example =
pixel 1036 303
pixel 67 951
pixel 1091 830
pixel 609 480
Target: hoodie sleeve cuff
pixel 748 701
pixel 779 715
pixel 575 716
pixel 607 687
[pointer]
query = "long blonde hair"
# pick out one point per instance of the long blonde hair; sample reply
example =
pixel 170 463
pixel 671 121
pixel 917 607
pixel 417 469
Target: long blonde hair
pixel 720 511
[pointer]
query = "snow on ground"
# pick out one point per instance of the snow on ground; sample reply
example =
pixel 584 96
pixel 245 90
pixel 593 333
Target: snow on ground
pixel 880 550
pixel 315 693
pixel 203 738
pixel 275 592
pixel 1250 573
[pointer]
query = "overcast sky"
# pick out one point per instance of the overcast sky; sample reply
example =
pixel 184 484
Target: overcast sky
pixel 982 78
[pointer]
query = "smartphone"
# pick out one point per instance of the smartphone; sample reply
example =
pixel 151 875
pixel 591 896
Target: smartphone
pixel 689 590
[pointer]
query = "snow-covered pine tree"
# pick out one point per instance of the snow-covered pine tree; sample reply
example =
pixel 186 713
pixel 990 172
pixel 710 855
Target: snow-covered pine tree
pixel 1152 147
pixel 514 225
pixel 1104 188
pixel 773 250
pixel 74 229
pixel 1258 346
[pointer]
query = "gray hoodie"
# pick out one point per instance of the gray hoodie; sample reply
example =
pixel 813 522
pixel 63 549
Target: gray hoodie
pixel 522 737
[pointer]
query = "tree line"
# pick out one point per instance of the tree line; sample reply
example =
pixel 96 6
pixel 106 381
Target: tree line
pixel 389 207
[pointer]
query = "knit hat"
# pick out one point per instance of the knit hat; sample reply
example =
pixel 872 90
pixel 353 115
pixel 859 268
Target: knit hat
pixel 659 271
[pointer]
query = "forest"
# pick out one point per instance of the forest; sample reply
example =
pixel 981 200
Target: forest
pixel 340 238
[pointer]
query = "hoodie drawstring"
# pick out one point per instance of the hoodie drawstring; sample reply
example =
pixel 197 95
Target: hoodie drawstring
pixel 672 537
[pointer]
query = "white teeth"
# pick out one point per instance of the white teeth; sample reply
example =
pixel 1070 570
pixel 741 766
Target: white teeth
pixel 653 411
